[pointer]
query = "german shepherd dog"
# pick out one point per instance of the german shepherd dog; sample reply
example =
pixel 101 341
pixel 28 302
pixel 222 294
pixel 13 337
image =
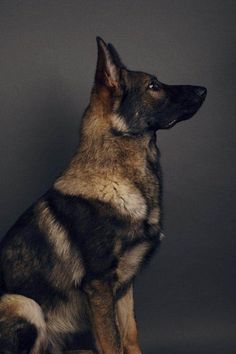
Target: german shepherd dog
pixel 69 262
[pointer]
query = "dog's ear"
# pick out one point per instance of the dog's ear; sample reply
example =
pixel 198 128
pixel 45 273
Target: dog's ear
pixel 115 56
pixel 107 72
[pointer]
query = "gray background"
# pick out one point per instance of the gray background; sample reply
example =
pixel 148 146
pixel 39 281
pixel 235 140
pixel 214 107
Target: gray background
pixel 186 298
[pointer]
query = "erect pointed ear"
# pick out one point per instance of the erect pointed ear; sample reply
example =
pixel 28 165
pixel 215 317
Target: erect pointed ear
pixel 115 56
pixel 107 72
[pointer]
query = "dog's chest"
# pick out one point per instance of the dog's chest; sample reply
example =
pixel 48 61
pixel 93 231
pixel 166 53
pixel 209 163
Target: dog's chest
pixel 136 245
pixel 143 235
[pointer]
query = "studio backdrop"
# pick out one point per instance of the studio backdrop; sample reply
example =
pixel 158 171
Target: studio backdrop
pixel 186 298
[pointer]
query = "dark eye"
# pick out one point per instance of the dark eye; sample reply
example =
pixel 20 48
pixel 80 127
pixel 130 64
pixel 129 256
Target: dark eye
pixel 154 86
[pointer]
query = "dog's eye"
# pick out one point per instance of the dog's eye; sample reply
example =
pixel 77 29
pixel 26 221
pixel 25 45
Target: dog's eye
pixel 154 86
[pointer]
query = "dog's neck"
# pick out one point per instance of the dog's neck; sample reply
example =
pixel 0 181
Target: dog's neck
pixel 110 168
pixel 104 138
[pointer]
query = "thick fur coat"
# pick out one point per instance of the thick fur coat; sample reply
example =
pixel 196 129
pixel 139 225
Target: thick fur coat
pixel 69 262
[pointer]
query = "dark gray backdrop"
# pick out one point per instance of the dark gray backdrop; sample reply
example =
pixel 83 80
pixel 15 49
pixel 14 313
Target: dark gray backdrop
pixel 186 297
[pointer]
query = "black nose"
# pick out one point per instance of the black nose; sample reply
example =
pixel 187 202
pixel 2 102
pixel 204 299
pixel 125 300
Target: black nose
pixel 200 91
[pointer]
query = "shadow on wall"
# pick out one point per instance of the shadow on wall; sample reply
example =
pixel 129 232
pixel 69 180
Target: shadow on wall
pixel 41 136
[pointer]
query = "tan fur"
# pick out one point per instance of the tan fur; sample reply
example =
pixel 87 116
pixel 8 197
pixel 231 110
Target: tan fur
pixel 67 317
pixel 119 171
pixel 127 323
pixel 56 234
pixel 130 261
pixel 18 305
pixel 103 318
pixel 108 188
pixel 119 123
pixel 154 216
pixel 107 168
pixel 117 247
pixel 69 267
pixel 21 306
pixel 79 352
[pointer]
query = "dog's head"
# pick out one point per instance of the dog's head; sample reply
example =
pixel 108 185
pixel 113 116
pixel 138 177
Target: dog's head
pixel 139 102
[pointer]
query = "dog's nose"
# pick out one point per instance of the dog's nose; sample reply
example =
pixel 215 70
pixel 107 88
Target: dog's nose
pixel 201 91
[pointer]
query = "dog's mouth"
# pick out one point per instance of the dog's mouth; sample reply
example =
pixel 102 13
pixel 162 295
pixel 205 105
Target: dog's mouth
pixel 171 124
pixel 184 102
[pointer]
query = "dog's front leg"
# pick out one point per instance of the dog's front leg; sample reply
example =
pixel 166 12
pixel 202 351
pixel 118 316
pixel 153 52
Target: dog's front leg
pixel 103 317
pixel 127 323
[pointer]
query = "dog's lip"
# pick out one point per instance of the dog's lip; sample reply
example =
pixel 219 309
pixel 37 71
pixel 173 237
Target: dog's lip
pixel 171 123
